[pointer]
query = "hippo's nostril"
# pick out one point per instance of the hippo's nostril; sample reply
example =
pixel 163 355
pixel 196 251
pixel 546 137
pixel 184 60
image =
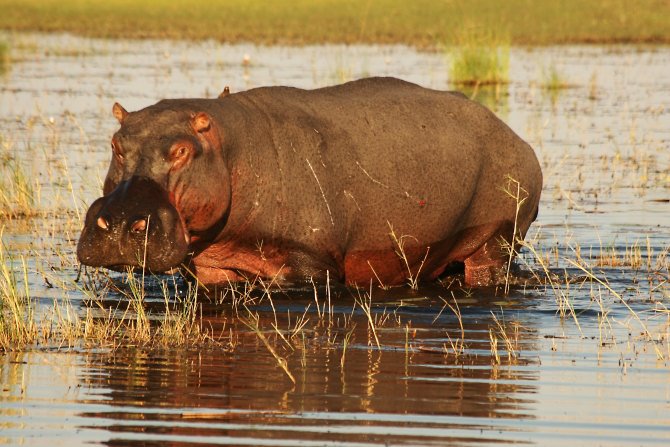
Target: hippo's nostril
pixel 102 223
pixel 139 226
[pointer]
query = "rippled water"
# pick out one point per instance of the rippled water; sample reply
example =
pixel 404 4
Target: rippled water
pixel 600 377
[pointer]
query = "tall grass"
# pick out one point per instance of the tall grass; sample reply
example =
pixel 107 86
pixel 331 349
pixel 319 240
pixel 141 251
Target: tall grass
pixel 4 56
pixel 17 323
pixel 478 58
pixel 26 324
pixel 552 79
pixel 553 82
pixel 17 191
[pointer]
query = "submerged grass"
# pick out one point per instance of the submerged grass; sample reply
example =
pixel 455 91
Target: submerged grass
pixel 421 22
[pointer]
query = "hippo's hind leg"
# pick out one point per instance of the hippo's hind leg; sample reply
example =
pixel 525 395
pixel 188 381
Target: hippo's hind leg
pixel 487 266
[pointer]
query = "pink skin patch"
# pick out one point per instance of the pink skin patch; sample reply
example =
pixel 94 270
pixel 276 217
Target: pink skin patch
pixel 227 261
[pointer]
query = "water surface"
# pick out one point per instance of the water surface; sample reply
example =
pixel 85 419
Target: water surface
pixel 598 377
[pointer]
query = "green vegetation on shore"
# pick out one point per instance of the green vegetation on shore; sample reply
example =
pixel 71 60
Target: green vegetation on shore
pixel 421 23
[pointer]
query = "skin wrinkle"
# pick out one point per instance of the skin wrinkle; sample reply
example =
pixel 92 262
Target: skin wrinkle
pixel 278 211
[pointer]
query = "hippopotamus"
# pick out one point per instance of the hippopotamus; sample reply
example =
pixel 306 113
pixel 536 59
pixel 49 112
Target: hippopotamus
pixel 376 179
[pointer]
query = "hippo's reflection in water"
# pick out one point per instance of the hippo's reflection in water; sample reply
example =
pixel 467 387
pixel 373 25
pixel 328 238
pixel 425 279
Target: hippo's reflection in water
pixel 409 389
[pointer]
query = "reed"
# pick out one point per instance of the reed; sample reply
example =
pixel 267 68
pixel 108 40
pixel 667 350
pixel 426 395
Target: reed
pixel 458 346
pixel 553 80
pixel 252 322
pixel 18 197
pixel 364 301
pixel 479 57
pixel 4 57
pixel 513 190
pixel 399 243
pixel 17 311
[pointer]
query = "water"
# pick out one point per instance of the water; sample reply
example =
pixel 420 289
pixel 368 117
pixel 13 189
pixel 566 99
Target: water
pixel 598 377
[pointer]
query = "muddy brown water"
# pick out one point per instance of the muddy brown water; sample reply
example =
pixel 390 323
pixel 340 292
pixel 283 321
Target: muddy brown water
pixel 600 377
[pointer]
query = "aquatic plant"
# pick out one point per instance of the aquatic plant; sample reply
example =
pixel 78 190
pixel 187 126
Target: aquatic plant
pixel 553 82
pixel 399 248
pixel 516 192
pixel 457 347
pixel 552 79
pixel 478 58
pixel 4 57
pixel 593 87
pixel 17 322
pixel 364 301
pixel 17 191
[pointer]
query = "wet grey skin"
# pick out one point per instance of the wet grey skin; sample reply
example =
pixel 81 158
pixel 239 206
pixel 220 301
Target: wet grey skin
pixel 295 185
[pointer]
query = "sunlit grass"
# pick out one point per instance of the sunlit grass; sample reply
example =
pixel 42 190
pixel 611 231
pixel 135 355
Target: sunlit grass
pixel 4 56
pixel 17 190
pixel 553 80
pixel 17 322
pixel 478 57
pixel 421 22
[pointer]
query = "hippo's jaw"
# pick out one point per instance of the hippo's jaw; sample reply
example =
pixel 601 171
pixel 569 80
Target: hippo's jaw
pixel 134 226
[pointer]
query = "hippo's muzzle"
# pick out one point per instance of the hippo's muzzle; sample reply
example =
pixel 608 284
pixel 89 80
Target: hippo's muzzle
pixel 134 226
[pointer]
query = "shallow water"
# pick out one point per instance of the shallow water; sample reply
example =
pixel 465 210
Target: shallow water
pixel 595 378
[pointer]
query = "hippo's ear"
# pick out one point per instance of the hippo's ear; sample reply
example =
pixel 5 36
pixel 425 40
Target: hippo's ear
pixel 119 112
pixel 206 129
pixel 200 122
pixel 225 92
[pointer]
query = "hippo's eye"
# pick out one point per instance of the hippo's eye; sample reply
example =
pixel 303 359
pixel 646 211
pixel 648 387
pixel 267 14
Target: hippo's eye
pixel 179 154
pixel 117 152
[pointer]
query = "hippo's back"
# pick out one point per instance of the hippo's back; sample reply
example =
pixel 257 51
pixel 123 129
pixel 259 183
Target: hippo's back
pixel 357 160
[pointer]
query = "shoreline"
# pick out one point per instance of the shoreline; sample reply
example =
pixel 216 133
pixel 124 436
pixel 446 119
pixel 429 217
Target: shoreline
pixel 423 25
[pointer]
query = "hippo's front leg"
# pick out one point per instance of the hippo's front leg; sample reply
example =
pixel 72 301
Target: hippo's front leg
pixel 214 275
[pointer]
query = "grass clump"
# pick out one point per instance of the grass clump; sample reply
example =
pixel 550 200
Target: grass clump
pixel 553 80
pixel 4 57
pixel 478 58
pixel 17 192
pixel 17 322
pixel 553 83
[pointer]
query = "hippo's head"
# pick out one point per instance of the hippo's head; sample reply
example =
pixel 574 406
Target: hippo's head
pixel 167 186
